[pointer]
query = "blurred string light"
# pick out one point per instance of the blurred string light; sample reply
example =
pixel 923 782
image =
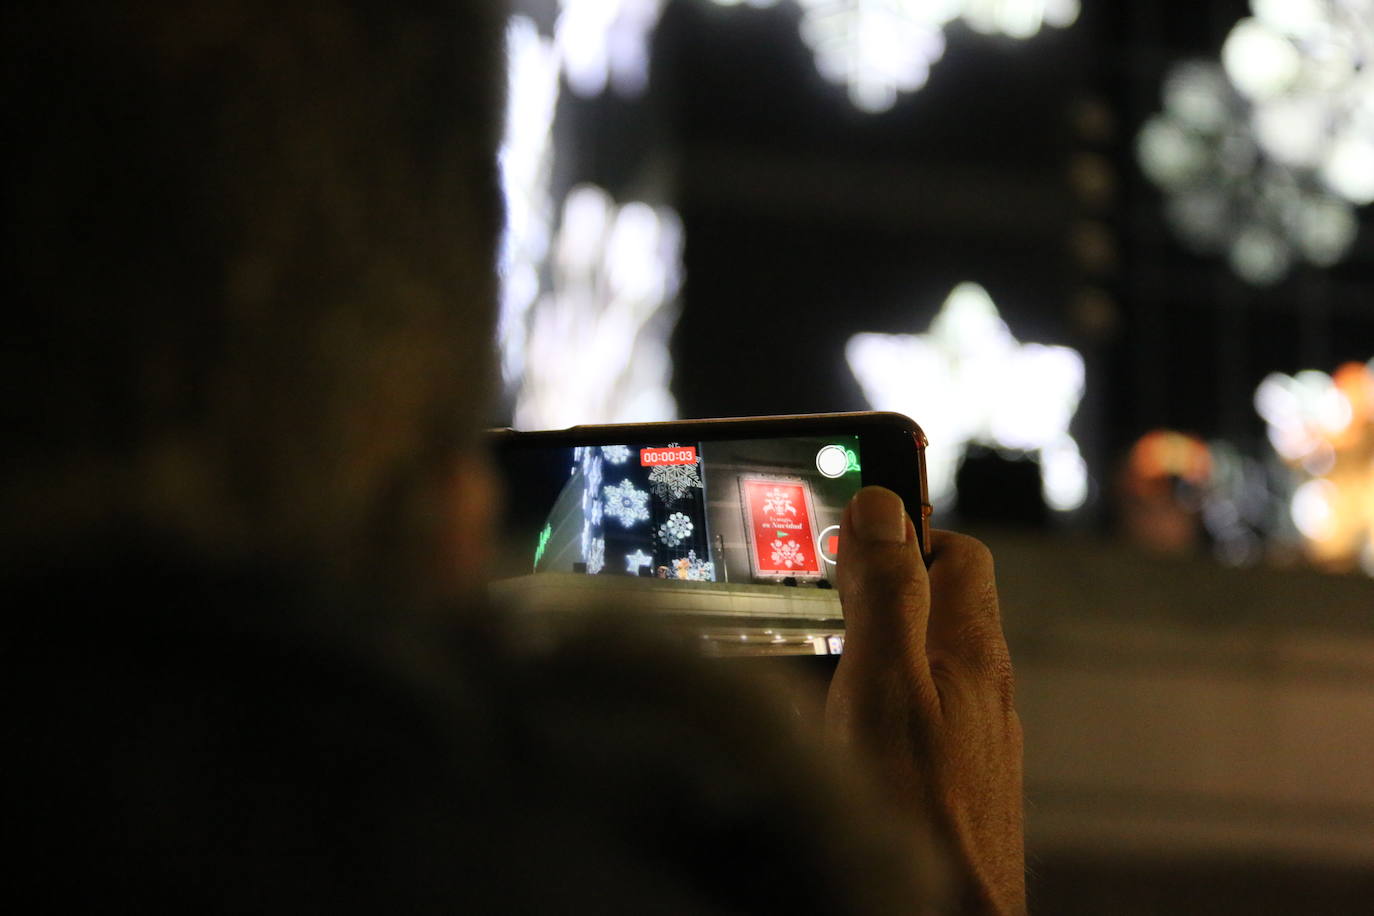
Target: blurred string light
pixel 878 49
pixel 1265 157
pixel 526 159
pixel 1322 427
pixel 597 347
pixel 587 299
pixel 968 380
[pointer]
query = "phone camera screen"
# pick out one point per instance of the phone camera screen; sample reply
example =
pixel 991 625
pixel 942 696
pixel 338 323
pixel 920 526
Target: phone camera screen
pixel 740 536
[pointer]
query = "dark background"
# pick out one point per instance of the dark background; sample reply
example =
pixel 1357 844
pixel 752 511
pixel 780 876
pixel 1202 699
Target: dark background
pixel 807 220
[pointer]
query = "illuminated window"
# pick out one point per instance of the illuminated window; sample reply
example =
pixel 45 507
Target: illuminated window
pixel 968 380
pixel 1322 426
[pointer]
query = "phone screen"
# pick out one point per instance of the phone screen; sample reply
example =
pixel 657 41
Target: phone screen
pixel 741 536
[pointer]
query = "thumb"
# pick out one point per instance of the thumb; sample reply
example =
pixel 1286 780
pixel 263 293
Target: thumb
pixel 884 587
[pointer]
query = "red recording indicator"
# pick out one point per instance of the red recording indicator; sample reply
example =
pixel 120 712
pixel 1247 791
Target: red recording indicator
pixel 832 545
pixel 677 454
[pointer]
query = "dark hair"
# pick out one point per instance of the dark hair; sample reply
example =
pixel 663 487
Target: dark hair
pixel 249 270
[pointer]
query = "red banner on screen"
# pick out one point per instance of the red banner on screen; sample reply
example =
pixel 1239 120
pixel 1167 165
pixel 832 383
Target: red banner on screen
pixel 782 529
pixel 677 454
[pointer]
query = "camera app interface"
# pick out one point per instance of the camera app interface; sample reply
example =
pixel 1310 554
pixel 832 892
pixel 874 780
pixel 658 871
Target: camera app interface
pixel 735 529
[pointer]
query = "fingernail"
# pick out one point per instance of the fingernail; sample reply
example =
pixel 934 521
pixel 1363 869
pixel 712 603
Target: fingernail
pixel 879 515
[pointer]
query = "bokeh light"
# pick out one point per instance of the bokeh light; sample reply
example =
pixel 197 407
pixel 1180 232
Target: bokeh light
pixel 968 380
pixel 1322 427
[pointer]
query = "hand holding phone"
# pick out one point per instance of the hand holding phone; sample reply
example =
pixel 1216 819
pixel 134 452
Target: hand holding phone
pixel 924 692
pixel 731 525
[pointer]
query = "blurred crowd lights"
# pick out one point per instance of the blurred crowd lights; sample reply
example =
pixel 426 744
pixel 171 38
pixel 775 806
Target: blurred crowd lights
pixel 969 381
pixel 1322 427
pixel 1265 155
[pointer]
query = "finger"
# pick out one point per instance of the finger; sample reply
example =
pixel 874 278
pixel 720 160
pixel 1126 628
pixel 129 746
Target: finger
pixel 883 585
pixel 965 624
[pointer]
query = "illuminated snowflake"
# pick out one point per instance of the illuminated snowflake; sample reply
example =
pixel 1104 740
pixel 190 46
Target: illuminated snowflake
pixel 969 380
pixel 626 503
pixel 879 48
pixel 615 454
pixel 596 556
pixel 778 501
pixel 676 529
pixel 1305 68
pixel 875 48
pixel 671 482
pixel 692 568
pixel 1224 194
pixel 597 344
pixel 788 553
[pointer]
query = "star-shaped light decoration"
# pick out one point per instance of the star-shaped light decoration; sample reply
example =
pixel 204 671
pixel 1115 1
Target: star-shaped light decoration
pixel 636 561
pixel 968 380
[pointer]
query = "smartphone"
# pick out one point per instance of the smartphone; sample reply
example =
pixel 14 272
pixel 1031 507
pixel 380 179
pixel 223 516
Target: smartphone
pixel 728 528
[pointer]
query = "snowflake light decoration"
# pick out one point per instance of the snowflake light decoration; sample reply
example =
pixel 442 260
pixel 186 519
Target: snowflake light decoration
pixel 968 380
pixel 615 454
pixel 875 48
pixel 676 529
pixel 597 346
pixel 787 553
pixel 1224 194
pixel 878 49
pixel 626 503
pixel 1305 66
pixel 671 482
pixel 694 569
pixel 636 561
